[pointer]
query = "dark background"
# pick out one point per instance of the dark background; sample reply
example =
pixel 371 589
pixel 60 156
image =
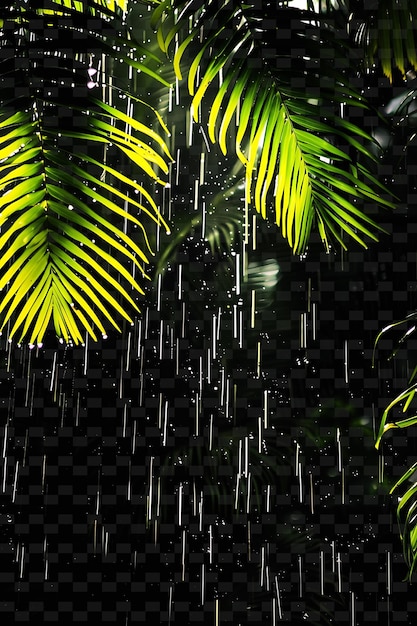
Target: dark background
pixel 81 427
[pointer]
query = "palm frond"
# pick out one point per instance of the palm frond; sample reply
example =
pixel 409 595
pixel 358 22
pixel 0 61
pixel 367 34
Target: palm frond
pixel 67 253
pixel 388 33
pixel 407 503
pixel 282 136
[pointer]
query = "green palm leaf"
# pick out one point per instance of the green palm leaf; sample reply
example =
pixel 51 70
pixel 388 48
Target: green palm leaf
pixel 407 503
pixel 66 254
pixel 281 135
pixel 388 32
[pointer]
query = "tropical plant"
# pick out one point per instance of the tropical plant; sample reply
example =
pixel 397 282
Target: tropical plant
pixel 281 134
pixel 61 258
pixel 300 153
pixel 397 415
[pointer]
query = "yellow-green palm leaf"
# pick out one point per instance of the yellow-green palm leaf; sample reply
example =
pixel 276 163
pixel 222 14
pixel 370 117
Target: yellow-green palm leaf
pixel 294 166
pixel 76 185
pixel 388 32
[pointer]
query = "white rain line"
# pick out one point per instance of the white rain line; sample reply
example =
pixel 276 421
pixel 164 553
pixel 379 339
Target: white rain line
pixel 139 338
pixel 177 356
pixel 161 340
pixel 22 561
pixel 203 219
pixel 170 100
pixel 164 439
pixel 314 320
pixel 177 168
pixel 190 120
pixel 389 572
pixel 206 141
pixel 268 498
pixel 266 392
pixel 77 409
pixel 196 190
pixel 170 604
pixel 235 321
pixel 238 476
pixel 202 171
pixel 150 493
pixel 346 363
pixel 278 598
pixel 352 609
pixel 194 499
pixel 258 360
pixel 253 309
pixel 158 498
pixel 303 330
pixel 339 572
pixel 262 565
pixel 197 414
pixel 339 450
pixel 43 472
pixel 259 435
pixel 322 572
pixel 51 386
pixel 5 439
pixel 311 494
pixel 214 336
pixel 124 420
pixel 177 92
pixel 222 386
pixel 129 483
pixel 381 465
pixel 208 365
pixel 95 536
pixel 134 437
pixel 4 474
pixel 200 512
pixel 25 446
pixel 180 504
pixel 86 354
pixel 158 300
pixel 203 583
pixel 248 493
pixel 297 453
pixel 15 481
pixel 219 316
pixel 98 495
pixel 171 343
